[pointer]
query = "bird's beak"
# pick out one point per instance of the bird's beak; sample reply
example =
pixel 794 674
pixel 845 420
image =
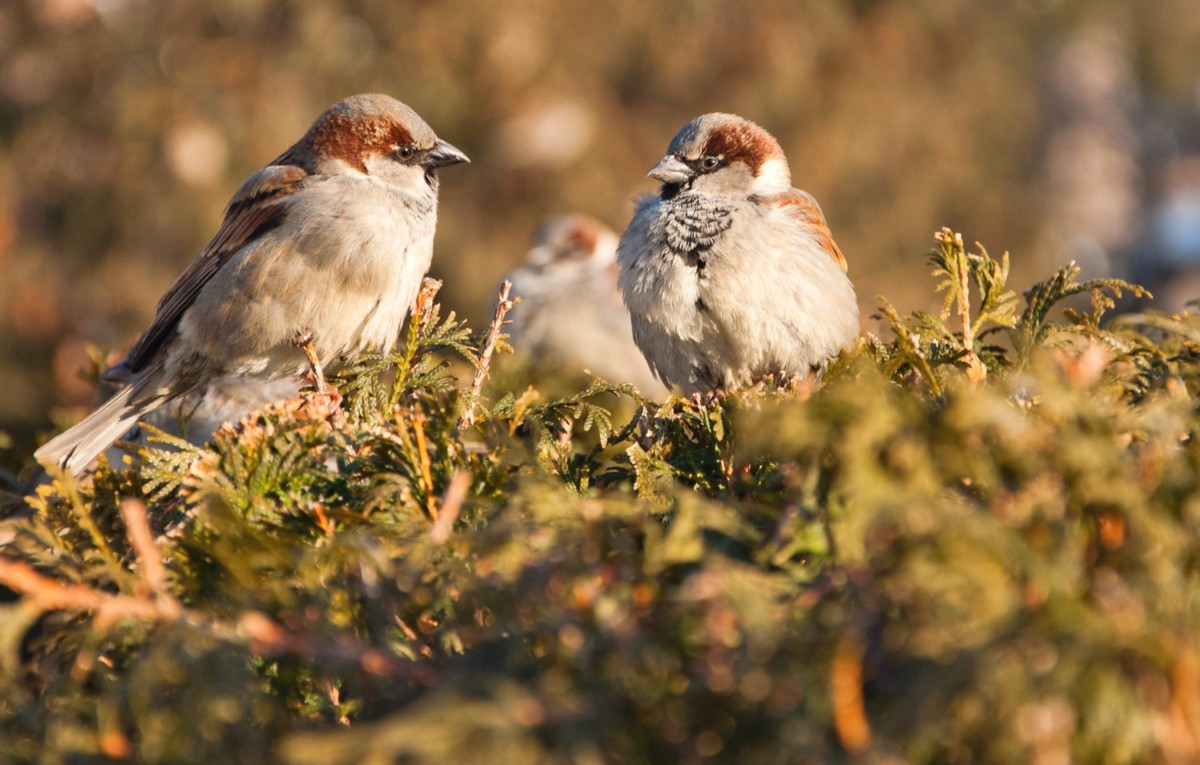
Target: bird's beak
pixel 671 170
pixel 443 154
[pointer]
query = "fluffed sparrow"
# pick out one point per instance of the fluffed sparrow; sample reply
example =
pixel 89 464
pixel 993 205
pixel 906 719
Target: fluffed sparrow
pixel 729 273
pixel 320 255
pixel 571 316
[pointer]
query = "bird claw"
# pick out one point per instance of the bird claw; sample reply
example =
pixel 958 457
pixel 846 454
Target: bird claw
pixel 323 402
pixel 315 374
pixel 323 405
pixel 710 397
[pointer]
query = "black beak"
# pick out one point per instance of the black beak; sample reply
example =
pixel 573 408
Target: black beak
pixel 443 154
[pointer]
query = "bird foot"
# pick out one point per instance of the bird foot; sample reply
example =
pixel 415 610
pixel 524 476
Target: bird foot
pixel 323 405
pixel 323 401
pixel 315 375
pixel 706 399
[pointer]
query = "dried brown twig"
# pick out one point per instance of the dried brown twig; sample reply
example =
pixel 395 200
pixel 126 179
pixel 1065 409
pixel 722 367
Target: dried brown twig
pixel 44 593
pixel 420 315
pixel 422 448
pixel 424 303
pixel 503 306
pixel 137 528
pixel 155 604
pixel 452 502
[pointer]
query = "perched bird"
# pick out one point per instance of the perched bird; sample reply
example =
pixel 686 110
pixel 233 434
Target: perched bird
pixel 320 255
pixel 729 273
pixel 571 316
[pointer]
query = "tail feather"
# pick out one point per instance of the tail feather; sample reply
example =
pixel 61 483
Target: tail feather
pixel 75 448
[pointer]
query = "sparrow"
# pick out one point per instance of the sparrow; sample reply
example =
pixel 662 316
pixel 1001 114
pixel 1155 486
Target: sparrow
pixel 320 256
pixel 571 315
pixel 730 274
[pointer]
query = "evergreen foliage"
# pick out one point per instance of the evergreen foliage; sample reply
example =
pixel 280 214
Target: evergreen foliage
pixel 973 542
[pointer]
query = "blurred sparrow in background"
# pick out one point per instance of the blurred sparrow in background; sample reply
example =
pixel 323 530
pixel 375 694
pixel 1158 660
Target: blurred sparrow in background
pixel 319 257
pixel 571 316
pixel 730 274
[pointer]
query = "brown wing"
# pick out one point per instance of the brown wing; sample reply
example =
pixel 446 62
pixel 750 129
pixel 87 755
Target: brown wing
pixel 801 206
pixel 254 210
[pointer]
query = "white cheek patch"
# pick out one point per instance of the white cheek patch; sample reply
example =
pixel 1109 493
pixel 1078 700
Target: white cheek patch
pixel 605 252
pixel 773 178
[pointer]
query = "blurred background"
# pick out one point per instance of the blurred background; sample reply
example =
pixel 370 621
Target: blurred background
pixel 1055 129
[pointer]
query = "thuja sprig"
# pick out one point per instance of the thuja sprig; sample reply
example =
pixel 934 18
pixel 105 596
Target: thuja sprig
pixel 1034 327
pixel 925 342
pixel 954 270
pixel 414 365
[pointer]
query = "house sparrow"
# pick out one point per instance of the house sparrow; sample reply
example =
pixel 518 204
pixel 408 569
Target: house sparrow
pixel 571 315
pixel 730 274
pixel 320 255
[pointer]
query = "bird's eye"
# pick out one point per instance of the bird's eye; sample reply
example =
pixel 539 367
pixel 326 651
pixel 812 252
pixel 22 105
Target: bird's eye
pixel 709 162
pixel 405 152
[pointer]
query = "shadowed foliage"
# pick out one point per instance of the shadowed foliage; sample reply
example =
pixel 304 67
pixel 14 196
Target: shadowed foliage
pixel 974 542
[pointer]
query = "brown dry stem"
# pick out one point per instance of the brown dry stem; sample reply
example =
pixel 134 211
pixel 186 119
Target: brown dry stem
pixel 503 306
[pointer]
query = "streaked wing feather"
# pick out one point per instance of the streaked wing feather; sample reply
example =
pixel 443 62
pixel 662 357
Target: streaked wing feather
pixel 253 211
pixel 801 206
